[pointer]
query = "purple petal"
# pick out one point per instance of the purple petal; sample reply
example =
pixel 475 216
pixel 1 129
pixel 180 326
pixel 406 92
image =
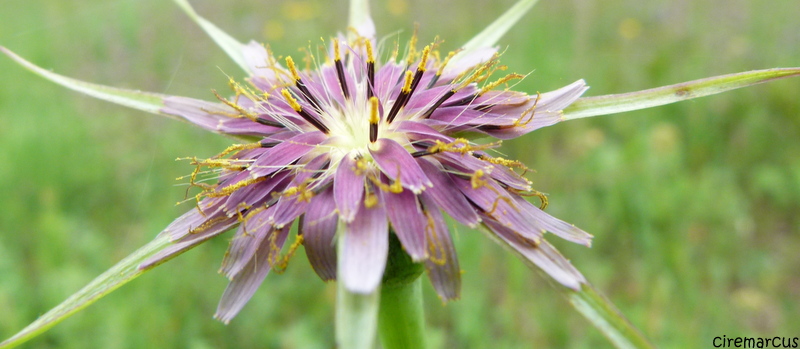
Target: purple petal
pixel 183 225
pixel 201 113
pixel 469 163
pixel 290 207
pixel 442 263
pixel 189 241
pixel 245 284
pixel 552 224
pixel 408 222
pixel 466 61
pixel 244 244
pixel 396 163
pixel 283 154
pixel 543 255
pixel 386 81
pixel 365 249
pixel 319 233
pixel 447 196
pixel 498 204
pixel 548 111
pixel 420 132
pixel 258 62
pixel 256 193
pixel 348 188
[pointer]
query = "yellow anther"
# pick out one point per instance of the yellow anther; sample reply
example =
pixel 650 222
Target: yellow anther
pixel 460 145
pixel 238 108
pixel 207 224
pixel 476 180
pixel 292 102
pixel 446 60
pixel 234 187
pixel 527 116
pixel 292 68
pixel 436 251
pixel 412 46
pixel 361 166
pixel 491 86
pixel 370 200
pixel 337 56
pixel 424 60
pixel 283 263
pixel 395 187
pixel 396 51
pixel 506 163
pixel 237 147
pixel 479 73
pixel 407 83
pixel 374 118
pixel 370 54
pixel 497 201
pixel 308 58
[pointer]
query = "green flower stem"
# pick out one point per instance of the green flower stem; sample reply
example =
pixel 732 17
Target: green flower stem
pixel 606 317
pixel 401 320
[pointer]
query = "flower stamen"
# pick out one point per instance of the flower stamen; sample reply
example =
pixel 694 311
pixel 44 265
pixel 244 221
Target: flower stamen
pixel 301 86
pixel 337 60
pixel 370 70
pixel 402 99
pixel 374 118
pixel 299 109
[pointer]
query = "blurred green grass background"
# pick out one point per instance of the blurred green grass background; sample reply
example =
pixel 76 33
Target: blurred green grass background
pixel 694 206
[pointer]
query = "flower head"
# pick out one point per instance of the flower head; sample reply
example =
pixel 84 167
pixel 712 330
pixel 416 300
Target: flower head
pixel 358 142
pixel 376 146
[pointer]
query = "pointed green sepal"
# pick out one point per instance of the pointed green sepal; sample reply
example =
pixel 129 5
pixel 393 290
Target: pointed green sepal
pixel 120 274
pixel 227 43
pixel 146 101
pixel 588 301
pixel 618 103
pixel 606 317
pixel 492 33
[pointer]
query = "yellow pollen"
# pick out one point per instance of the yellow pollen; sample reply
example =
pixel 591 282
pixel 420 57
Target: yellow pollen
pixel 412 46
pixel 436 251
pixel 292 68
pixel 407 83
pixel 476 180
pixel 446 60
pixel 542 197
pixel 301 191
pixel 234 187
pixel 370 200
pixel 281 265
pixel 424 60
pixel 523 119
pixel 207 224
pixel 370 55
pixel 337 56
pixel 395 187
pixel 460 145
pixel 292 102
pixel 491 86
pixel 506 162
pixel 373 115
pixel 237 147
pixel 396 51
pixel 238 108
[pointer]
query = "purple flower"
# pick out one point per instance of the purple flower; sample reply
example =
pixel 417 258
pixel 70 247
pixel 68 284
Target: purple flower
pixel 374 146
pixel 363 142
